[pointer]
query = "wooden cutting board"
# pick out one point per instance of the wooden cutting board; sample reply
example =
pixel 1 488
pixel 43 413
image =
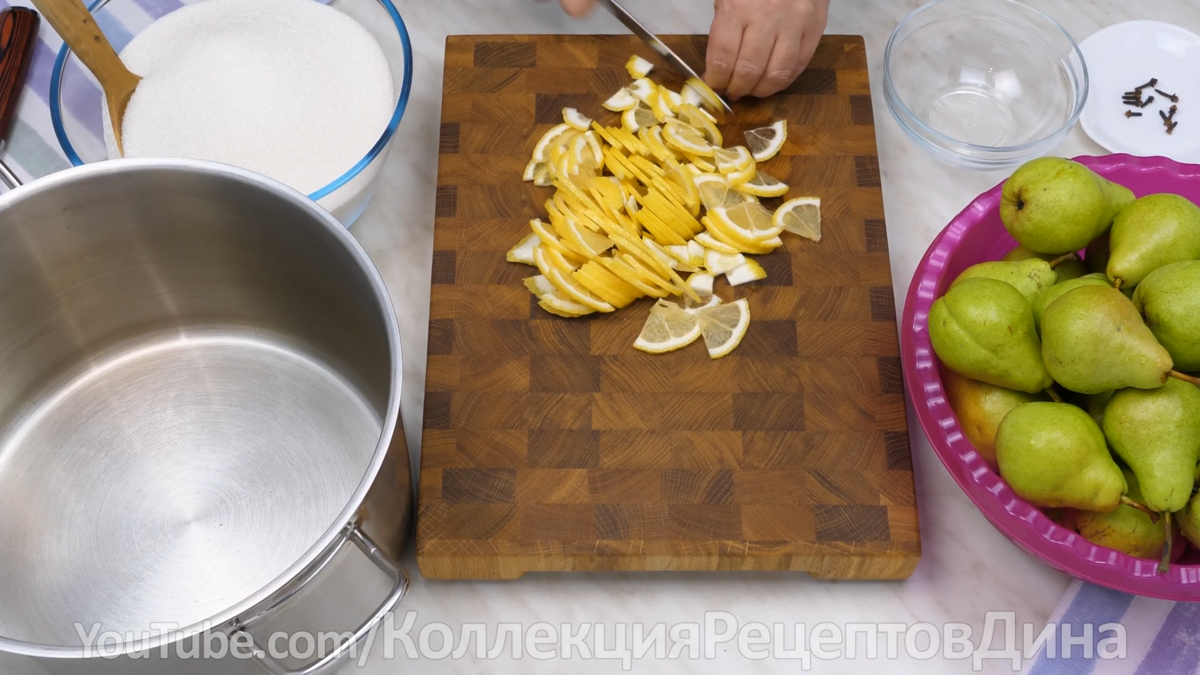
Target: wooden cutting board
pixel 551 444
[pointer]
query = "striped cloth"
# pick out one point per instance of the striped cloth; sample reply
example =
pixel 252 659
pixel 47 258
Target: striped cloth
pixel 1161 637
pixel 32 150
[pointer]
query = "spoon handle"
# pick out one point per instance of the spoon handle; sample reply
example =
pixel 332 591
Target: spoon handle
pixel 75 25
pixel 18 33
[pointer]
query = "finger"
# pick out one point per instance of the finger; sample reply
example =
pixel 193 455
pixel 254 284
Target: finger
pixel 781 67
pixel 808 47
pixel 724 40
pixel 753 56
pixel 578 8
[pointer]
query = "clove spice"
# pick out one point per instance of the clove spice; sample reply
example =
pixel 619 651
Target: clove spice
pixel 1130 113
pixel 1174 98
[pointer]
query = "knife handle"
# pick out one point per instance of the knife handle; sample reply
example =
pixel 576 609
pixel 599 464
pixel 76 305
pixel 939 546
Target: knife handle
pixel 18 34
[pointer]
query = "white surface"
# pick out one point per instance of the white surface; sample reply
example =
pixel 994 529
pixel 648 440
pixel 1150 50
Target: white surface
pixel 1126 55
pixel 968 568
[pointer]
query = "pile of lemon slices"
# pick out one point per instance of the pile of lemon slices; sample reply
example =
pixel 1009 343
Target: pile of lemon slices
pixel 657 207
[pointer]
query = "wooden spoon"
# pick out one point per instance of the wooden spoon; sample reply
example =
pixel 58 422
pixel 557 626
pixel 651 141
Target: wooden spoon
pixel 75 25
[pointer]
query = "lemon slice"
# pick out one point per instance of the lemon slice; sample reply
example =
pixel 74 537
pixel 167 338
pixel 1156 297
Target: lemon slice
pixel 573 291
pixel 523 251
pixel 691 307
pixel 686 184
pixel 679 253
pixel 715 192
pixel 621 101
pixel 707 241
pixel 695 118
pixel 733 160
pixel 689 94
pixel 540 151
pixel 633 277
pixel 766 142
pixel 667 328
pixel 724 326
pixel 720 263
pixel 539 285
pixel 557 304
pixel 644 90
pixel 686 138
pixel 607 286
pixel 638 67
pixel 531 170
pixel 741 177
pixel 662 105
pixel 653 138
pixel 754 218
pixel 763 185
pixel 637 118
pixel 750 271
pixel 708 97
pixel 584 240
pixel 597 150
pixel 701 164
pixel 702 283
pixel 576 120
pixel 800 216
pixel 696 253
pixel 674 99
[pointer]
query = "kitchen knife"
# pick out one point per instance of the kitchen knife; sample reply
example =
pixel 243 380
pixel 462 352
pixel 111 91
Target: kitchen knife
pixel 672 59
pixel 18 33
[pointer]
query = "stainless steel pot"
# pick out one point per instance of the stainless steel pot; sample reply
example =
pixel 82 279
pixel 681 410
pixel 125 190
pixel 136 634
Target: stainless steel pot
pixel 199 407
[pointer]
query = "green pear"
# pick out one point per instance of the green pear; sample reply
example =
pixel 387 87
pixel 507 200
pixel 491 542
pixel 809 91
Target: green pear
pixel 1030 277
pixel 1169 299
pixel 1150 233
pixel 1126 529
pixel 1093 340
pixel 983 330
pixel 1119 197
pixel 980 407
pixel 1065 270
pixel 1189 521
pixel 1042 301
pixel 1157 433
pixel 1053 454
pixel 1053 205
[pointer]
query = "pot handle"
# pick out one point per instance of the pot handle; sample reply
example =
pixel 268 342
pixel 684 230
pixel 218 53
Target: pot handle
pixel 399 587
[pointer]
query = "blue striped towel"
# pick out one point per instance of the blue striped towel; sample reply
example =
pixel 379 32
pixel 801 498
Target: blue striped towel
pixel 1161 637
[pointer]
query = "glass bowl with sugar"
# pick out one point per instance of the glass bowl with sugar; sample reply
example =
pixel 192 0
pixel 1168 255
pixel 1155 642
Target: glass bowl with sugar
pixel 307 92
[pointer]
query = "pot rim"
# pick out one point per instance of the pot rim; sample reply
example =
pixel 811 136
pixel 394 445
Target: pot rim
pixel 61 180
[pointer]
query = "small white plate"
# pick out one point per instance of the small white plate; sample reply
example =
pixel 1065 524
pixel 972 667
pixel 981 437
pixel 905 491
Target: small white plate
pixel 1126 55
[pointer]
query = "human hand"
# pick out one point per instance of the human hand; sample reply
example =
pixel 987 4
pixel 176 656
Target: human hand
pixel 578 8
pixel 759 47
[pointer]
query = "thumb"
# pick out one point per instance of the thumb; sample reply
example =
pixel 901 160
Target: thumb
pixel 578 8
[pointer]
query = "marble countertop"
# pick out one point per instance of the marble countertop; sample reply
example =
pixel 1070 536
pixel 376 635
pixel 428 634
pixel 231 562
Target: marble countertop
pixel 968 568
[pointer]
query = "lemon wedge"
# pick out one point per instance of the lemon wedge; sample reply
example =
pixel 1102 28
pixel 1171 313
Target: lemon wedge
pixel 708 97
pixel 709 242
pixel 541 150
pixel 702 283
pixel 733 160
pixel 638 67
pixel 644 90
pixel 801 216
pixel 557 304
pixel 687 138
pixel 539 285
pixel 573 291
pixel 669 327
pixel 724 326
pixel 638 118
pixel 662 105
pixel 720 263
pixel 766 142
pixel 523 251
pixel 750 271
pixel 749 220
pixel 763 185
pixel 697 119
pixel 621 101
pixel 576 120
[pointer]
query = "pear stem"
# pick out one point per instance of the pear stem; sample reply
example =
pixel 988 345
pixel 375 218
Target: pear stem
pixel 1164 564
pixel 1062 259
pixel 1140 507
pixel 1050 391
pixel 1185 377
pixel 1117 283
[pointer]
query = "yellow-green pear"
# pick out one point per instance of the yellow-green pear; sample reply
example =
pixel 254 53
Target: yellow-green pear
pixel 1054 205
pixel 1126 529
pixel 1157 433
pixel 1030 277
pixel 980 407
pixel 1066 269
pixel 1150 233
pixel 1169 299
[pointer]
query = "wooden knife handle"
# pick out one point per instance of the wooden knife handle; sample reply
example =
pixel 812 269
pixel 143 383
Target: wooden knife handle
pixel 18 34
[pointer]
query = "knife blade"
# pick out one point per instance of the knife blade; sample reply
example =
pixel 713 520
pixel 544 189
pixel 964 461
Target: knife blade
pixel 672 59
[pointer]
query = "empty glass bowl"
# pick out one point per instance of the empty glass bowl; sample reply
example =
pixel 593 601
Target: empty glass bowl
pixel 984 84
pixel 75 101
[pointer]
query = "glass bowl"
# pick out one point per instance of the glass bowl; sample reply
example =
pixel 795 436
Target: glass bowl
pixel 976 235
pixel 983 84
pixel 75 101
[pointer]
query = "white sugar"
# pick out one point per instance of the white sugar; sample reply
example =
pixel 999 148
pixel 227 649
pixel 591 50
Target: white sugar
pixel 292 89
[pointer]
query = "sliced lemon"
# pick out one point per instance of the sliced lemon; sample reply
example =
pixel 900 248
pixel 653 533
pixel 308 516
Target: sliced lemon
pixel 530 170
pixel 708 97
pixel 686 138
pixel 621 101
pixel 674 99
pixel 707 241
pixel 750 271
pixel 637 118
pixel 732 239
pixel 667 328
pixel 696 253
pixel 702 283
pixel 679 253
pixel 701 163
pixel 695 118
pixel 662 105
pixel 638 67
pixel 594 143
pixel 540 151
pixel 733 160
pixel 557 304
pixel 573 291
pixel 724 326
pixel 549 239
pixel 720 263
pixel 581 154
pixel 539 285
pixel 653 138
pixel 715 192
pixel 584 240
pixel 766 142
pixel 751 220
pixel 763 185
pixel 646 275
pixel 576 120
pixel 645 91
pixel 629 141
pixel 689 94
pixel 741 177
pixel 692 307
pixel 607 286
pixel 801 216
pixel 686 184
pixel 523 251
pixel 625 273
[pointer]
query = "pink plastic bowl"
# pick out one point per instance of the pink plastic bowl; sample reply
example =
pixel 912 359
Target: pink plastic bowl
pixel 977 235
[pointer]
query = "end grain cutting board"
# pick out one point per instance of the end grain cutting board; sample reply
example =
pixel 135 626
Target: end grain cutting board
pixel 551 444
